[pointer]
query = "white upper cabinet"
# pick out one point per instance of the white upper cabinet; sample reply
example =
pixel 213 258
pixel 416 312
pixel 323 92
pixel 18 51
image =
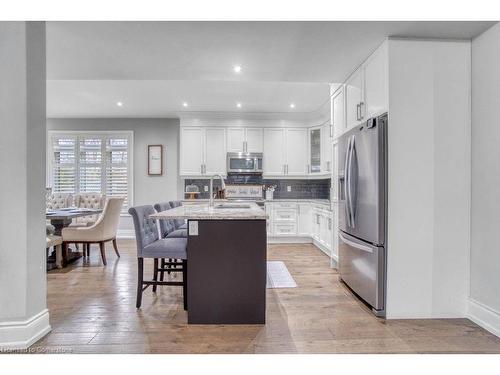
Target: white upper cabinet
pixel 326 149
pixel 235 139
pixel 354 97
pixel 296 152
pixel 366 90
pixel 202 151
pixel 192 151
pixel 244 140
pixel 215 151
pixel 254 139
pixel 338 111
pixel 376 83
pixel 274 151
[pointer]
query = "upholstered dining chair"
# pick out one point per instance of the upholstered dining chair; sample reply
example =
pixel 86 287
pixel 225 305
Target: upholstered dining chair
pixel 88 200
pixel 149 245
pixel 57 201
pixel 168 230
pixel 179 223
pixel 102 231
pixel 56 243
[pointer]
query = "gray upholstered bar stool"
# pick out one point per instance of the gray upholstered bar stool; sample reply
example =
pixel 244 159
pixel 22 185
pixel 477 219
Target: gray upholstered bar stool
pixel 168 230
pixel 180 223
pixel 149 245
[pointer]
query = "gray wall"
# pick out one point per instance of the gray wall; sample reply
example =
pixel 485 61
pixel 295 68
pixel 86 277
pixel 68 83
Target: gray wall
pixel 485 209
pixel 165 131
pixel 22 154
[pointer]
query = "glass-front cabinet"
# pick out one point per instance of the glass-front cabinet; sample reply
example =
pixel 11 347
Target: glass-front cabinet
pixel 315 137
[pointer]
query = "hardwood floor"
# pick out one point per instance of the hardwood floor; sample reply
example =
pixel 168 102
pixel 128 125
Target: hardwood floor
pixel 92 310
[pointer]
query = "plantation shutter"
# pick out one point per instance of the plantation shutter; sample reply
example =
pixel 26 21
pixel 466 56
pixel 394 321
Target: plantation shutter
pixel 86 163
pixel 64 164
pixel 117 168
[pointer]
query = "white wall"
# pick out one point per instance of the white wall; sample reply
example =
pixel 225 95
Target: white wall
pixel 147 189
pixel 23 314
pixel 485 213
pixel 429 178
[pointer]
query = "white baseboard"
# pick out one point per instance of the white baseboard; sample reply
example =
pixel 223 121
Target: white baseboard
pixel 125 234
pixel 22 334
pixel 484 316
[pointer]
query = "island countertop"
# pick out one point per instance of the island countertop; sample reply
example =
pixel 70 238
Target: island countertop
pixel 205 212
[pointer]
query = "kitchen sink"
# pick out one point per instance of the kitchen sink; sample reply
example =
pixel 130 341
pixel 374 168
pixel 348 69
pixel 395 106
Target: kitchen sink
pixel 221 206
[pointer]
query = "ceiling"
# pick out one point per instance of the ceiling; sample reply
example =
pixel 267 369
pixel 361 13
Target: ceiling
pixel 153 67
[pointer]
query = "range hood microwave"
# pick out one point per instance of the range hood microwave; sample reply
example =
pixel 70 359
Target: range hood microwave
pixel 244 162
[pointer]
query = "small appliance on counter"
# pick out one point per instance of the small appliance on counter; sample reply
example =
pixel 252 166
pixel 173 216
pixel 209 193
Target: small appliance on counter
pixel 192 192
pixel 270 192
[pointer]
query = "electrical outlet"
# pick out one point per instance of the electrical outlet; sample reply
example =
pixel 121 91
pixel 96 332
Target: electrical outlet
pixel 289 188
pixel 205 188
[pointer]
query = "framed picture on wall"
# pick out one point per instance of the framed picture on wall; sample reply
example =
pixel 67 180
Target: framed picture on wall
pixel 155 160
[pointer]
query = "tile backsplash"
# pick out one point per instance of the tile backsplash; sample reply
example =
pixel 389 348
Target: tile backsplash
pixel 299 188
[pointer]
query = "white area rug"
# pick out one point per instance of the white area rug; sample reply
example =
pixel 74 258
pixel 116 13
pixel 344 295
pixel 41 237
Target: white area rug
pixel 278 276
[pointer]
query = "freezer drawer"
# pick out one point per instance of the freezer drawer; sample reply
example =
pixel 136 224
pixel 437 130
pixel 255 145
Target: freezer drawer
pixel 361 267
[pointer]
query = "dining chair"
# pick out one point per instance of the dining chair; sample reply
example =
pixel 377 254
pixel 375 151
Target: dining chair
pixel 87 200
pixel 150 245
pixel 56 243
pixel 168 230
pixel 102 231
pixel 55 201
pixel 179 223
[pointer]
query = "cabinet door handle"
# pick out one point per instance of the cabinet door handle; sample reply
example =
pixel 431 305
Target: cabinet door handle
pixel 361 106
pixel 358 107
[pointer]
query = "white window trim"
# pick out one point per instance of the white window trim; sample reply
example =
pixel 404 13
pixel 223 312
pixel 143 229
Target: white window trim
pixel 128 133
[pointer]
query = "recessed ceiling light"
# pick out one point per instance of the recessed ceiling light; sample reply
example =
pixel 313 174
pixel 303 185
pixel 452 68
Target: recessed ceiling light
pixel 238 105
pixel 292 105
pixel 184 104
pixel 119 104
pixel 237 68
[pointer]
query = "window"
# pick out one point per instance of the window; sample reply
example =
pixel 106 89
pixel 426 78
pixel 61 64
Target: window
pixel 91 162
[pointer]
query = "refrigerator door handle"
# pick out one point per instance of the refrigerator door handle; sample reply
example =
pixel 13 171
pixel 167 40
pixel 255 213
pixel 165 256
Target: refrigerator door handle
pixel 358 246
pixel 346 182
pixel 353 180
pixel 349 195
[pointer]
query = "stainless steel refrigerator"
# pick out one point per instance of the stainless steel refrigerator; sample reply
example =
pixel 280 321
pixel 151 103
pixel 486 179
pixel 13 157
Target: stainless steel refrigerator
pixel 362 210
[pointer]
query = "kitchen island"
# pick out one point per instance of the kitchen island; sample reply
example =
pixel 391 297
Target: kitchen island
pixel 226 257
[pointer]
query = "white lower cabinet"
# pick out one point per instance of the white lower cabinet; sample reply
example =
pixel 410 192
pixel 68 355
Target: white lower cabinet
pixel 285 219
pixel 302 222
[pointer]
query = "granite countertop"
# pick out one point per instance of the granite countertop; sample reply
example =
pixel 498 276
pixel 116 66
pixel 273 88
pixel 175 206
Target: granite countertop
pixel 312 200
pixel 203 211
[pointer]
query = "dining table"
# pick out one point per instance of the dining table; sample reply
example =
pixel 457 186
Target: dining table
pixel 63 217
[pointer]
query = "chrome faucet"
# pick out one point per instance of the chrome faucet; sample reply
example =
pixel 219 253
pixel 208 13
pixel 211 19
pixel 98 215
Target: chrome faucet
pixel 223 187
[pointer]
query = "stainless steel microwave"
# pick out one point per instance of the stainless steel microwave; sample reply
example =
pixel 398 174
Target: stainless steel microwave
pixel 243 162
